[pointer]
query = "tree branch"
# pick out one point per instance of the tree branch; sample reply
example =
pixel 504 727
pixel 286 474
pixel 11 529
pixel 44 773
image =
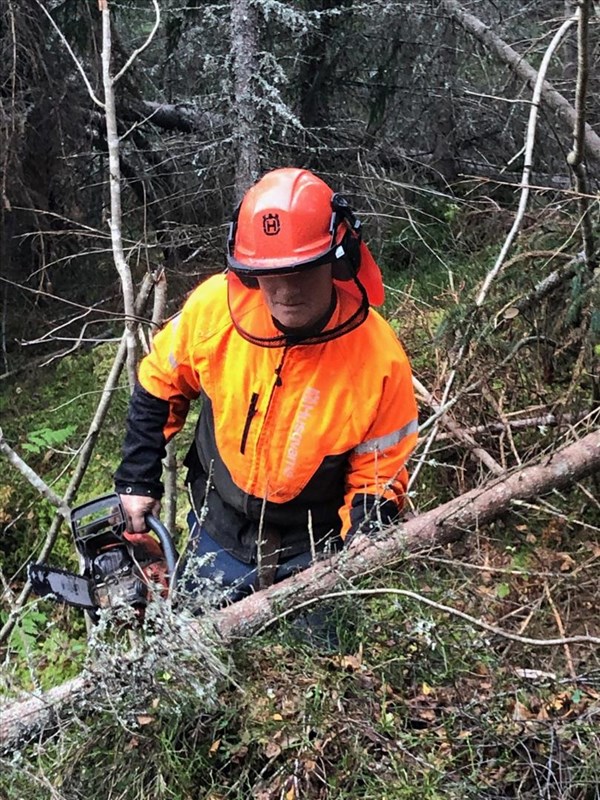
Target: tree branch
pixel 78 64
pixel 141 49
pixel 455 612
pixel 115 220
pixel 462 435
pixel 575 157
pixel 528 159
pixel 523 69
pixel 34 479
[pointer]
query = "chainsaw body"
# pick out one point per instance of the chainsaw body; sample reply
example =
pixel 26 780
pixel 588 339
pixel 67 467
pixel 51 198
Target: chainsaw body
pixel 114 572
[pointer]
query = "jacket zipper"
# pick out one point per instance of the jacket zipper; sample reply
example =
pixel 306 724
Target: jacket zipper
pixel 254 402
pixel 249 416
pixel 278 382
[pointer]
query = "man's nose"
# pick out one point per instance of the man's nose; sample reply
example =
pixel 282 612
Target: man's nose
pixel 292 280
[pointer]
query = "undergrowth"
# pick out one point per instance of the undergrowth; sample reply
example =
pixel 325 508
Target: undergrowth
pixel 46 416
pixel 412 702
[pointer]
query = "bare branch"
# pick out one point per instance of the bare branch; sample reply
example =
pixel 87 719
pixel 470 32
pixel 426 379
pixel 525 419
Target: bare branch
pixel 141 49
pixel 112 139
pixel 543 421
pixel 576 156
pixel 529 145
pixel 523 69
pixel 561 629
pixel 455 612
pixel 78 64
pixel 34 479
pixel 462 435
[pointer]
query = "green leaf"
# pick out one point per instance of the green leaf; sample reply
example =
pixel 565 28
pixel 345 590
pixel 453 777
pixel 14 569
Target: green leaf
pixel 48 437
pixel 31 448
pixel 502 590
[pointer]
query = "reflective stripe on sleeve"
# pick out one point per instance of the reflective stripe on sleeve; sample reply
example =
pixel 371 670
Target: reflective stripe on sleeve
pixel 389 440
pixel 173 363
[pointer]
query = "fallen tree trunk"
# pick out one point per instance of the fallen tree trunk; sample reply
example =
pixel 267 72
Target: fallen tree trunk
pixel 555 100
pixel 181 117
pixel 21 720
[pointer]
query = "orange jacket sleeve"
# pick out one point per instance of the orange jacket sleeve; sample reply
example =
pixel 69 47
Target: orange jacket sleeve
pixel 170 371
pixel 377 477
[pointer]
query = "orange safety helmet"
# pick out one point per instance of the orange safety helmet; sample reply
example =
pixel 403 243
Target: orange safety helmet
pixel 292 221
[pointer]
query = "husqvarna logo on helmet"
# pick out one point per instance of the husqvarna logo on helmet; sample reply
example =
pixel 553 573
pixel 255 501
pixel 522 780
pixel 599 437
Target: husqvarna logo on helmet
pixel 271 224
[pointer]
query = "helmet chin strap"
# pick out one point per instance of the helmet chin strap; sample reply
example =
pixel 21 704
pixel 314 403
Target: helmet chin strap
pixel 294 335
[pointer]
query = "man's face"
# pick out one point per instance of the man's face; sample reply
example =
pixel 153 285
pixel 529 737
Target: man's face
pixel 300 299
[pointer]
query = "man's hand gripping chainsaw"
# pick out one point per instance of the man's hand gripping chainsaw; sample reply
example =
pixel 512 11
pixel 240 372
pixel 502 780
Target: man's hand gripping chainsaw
pixel 118 569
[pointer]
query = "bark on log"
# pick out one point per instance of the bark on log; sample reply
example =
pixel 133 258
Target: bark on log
pixel 555 100
pixel 244 25
pixel 21 720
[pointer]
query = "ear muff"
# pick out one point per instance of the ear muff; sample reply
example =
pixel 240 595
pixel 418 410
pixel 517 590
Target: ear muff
pixel 347 265
pixel 246 280
pixel 233 229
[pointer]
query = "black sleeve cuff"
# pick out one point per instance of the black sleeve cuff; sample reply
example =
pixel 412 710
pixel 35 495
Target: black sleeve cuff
pixel 370 514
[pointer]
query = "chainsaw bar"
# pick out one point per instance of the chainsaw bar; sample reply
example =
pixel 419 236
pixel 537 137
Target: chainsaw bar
pixel 65 586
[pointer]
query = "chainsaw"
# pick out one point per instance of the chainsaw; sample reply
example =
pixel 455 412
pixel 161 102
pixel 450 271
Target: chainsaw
pixel 115 573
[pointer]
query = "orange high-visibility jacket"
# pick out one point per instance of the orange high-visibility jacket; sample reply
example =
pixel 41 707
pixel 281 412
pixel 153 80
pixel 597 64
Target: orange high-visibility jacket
pixel 312 439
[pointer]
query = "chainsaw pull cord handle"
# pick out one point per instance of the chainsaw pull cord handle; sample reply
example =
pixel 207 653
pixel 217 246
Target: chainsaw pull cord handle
pixel 166 541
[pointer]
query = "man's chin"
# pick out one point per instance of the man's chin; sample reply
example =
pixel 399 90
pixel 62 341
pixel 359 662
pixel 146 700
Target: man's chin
pixel 291 318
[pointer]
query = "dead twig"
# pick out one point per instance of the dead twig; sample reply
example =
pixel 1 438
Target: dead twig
pixel 474 449
pixel 528 159
pixel 479 623
pixel 561 630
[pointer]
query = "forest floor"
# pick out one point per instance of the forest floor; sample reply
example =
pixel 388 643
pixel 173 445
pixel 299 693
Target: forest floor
pixel 409 701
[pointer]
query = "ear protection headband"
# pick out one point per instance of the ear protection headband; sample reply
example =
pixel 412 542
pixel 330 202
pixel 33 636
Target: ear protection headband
pixel 347 253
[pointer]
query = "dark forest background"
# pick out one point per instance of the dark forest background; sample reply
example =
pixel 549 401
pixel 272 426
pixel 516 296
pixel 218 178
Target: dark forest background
pixel 393 103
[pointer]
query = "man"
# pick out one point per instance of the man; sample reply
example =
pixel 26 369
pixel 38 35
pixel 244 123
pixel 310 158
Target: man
pixel 308 413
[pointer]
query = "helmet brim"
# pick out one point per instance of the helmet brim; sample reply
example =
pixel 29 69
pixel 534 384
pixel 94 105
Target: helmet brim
pixel 264 268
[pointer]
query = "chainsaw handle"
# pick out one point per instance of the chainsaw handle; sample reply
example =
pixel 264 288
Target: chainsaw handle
pixel 166 541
